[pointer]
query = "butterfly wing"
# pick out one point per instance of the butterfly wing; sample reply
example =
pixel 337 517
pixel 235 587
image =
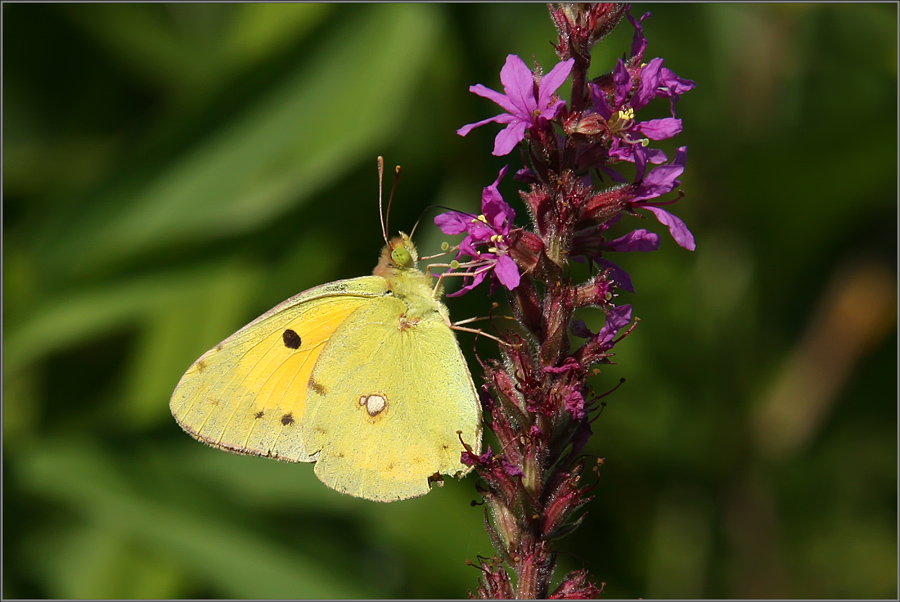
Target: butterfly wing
pixel 386 401
pixel 249 393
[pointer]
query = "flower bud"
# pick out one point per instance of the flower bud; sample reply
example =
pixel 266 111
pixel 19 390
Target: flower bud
pixel 504 522
pixel 495 582
pixel 580 26
pixel 525 248
pixel 576 586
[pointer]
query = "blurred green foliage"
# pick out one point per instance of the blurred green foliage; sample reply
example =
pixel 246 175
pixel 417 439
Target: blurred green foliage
pixel 172 171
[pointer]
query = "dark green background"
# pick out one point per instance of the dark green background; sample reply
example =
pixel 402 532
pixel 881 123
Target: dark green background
pixel 170 172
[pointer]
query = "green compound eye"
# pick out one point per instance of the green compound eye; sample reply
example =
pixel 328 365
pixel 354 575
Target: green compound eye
pixel 400 256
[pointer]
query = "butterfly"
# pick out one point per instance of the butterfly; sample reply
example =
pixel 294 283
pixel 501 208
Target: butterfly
pixel 362 376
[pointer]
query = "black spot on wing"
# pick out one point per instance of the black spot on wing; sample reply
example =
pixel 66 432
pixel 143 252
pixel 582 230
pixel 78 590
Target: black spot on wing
pixel 291 339
pixel 259 414
pixel 287 419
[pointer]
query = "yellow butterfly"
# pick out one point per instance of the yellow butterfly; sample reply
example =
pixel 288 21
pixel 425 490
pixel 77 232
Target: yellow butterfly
pixel 363 376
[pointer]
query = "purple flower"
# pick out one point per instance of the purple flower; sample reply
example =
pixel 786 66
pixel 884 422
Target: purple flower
pixel 617 274
pixel 510 469
pixel 658 81
pixel 662 180
pixel 575 404
pixel 523 110
pixel 491 229
pixel 595 246
pixel 628 136
pixel 471 459
pixel 638 240
pixel 617 318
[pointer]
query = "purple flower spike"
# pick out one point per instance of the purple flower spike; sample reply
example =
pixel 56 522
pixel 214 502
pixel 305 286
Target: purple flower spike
pixel 523 110
pixel 585 168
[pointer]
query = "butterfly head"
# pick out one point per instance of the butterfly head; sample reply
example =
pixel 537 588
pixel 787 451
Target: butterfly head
pixel 397 256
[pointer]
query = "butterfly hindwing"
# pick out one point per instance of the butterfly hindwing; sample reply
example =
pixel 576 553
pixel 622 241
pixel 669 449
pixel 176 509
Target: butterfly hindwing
pixel 385 409
pixel 249 393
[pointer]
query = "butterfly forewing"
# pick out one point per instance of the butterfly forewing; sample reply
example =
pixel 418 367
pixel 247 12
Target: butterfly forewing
pixel 248 394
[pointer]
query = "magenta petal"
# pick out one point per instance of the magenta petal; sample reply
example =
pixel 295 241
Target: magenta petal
pixel 639 42
pixel 509 137
pixel 640 164
pixel 598 98
pixel 551 82
pixel 616 319
pixel 649 83
pixel 661 180
pixel 659 129
pixel 622 79
pixel 674 84
pixel 664 177
pixel 499 214
pixel 452 222
pixel 575 404
pixel 467 246
pixel 502 118
pixel 525 175
pixel 500 175
pixel 553 110
pixel 518 83
pixel 656 156
pixel 507 272
pixel 622 278
pixel 490 195
pixel 580 329
pixel 477 278
pixel 676 227
pixel 510 469
pixel 638 240
pixel 501 99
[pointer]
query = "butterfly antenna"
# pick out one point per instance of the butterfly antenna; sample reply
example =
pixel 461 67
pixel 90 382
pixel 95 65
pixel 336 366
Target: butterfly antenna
pixel 413 231
pixel 421 215
pixel 380 208
pixel 391 198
